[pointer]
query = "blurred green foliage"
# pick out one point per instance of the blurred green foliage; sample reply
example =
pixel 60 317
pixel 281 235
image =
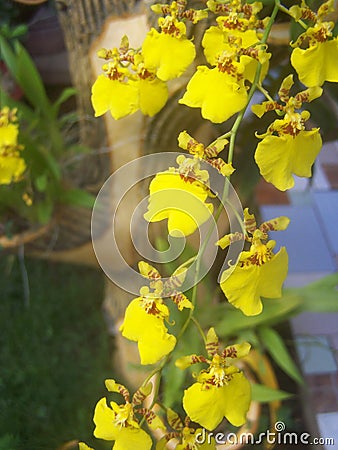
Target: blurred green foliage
pixel 54 354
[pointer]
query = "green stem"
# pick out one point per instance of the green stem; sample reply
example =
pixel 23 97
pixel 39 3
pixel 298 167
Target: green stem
pixel 223 136
pixel 198 326
pixel 265 93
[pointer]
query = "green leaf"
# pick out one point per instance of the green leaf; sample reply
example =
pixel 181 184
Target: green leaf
pixel 8 55
pixel 23 69
pixel 30 81
pixel 65 95
pixel 18 31
pixel 320 296
pixel 263 394
pixel 274 311
pixel 52 164
pixel 77 197
pixel 41 182
pixel 277 349
pixel 44 211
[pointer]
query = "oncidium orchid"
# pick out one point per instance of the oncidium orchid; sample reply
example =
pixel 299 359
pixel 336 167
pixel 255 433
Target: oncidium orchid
pixel 145 316
pixel 316 63
pixel 234 49
pixel 120 422
pixel 187 438
pixel 206 153
pixel 127 84
pixel 238 33
pixel 179 195
pixel 287 147
pixel 12 165
pixel 258 272
pixel 221 390
pixel 219 92
pixel 169 52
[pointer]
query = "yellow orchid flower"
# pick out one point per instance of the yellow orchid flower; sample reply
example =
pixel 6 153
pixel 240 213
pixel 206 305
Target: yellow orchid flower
pixel 221 390
pixel 118 97
pixel 11 168
pixel 119 423
pixel 237 38
pixel 209 153
pixel 287 148
pixel 180 195
pixel 12 165
pixel 168 53
pixel 144 317
pixel 278 157
pixel 318 62
pixel 144 323
pixel 188 438
pixel 128 85
pixel 8 134
pixel 218 94
pixel 218 39
pixel 254 278
pixel 258 272
pixel 122 98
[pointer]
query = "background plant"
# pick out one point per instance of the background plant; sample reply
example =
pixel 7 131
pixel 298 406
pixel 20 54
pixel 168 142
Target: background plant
pixel 47 135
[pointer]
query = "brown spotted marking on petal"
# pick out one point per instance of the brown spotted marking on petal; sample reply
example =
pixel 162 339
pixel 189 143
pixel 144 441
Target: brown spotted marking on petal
pixel 268 226
pixel 303 96
pixel 171 435
pixel 178 298
pixel 247 11
pixel 149 415
pixel 174 420
pixel 212 347
pixel 307 14
pixel 250 224
pixel 124 392
pixel 229 352
pixel 138 397
pixel 217 163
pixel 171 286
pixel 152 309
pixel 250 51
pixel 211 151
pixel 197 359
pixel 235 237
pixel 153 274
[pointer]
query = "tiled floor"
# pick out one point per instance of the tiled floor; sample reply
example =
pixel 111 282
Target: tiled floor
pixel 312 243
